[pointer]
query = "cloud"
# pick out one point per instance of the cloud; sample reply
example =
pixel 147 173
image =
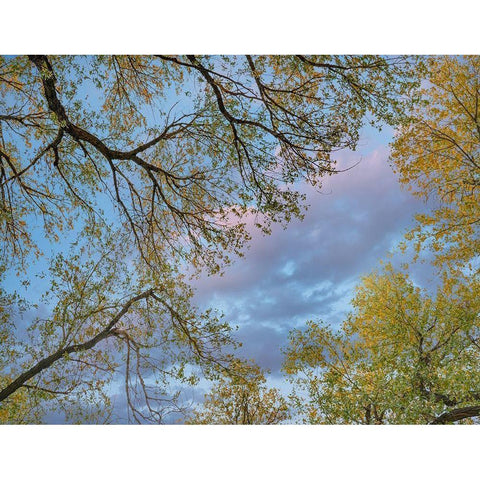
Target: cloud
pixel 310 269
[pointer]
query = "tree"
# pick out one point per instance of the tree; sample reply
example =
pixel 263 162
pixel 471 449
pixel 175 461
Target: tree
pixel 241 398
pixel 10 306
pixel 402 357
pixel 145 167
pixel 437 153
pixel 105 324
pixel 178 175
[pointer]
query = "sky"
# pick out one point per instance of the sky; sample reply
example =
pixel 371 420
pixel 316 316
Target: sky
pixel 309 270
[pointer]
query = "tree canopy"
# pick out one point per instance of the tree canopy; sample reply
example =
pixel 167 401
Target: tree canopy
pixel 127 173
pixel 182 146
pixel 242 398
pixel 436 154
pixel 402 357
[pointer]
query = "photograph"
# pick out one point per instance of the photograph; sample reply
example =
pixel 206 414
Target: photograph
pixel 219 245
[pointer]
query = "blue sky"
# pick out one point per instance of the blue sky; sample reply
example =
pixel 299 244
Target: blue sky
pixel 309 270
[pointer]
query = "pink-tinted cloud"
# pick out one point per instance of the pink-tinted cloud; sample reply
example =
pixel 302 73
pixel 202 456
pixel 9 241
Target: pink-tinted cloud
pixel 309 269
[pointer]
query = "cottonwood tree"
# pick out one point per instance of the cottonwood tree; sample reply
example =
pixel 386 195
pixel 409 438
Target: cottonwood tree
pixel 437 154
pixel 146 166
pixel 105 321
pixel 241 397
pixel 402 357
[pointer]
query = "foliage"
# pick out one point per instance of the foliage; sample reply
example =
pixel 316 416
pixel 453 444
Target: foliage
pixel 437 155
pixel 145 166
pixel 105 324
pixel 241 397
pixel 403 356
pixel 181 146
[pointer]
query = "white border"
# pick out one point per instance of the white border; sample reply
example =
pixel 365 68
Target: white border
pixel 216 452
pixel 249 26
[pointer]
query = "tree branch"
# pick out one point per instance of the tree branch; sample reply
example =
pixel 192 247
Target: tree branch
pixel 54 357
pixel 456 415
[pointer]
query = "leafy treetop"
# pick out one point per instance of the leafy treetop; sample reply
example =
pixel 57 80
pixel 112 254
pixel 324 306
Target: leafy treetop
pixel 402 357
